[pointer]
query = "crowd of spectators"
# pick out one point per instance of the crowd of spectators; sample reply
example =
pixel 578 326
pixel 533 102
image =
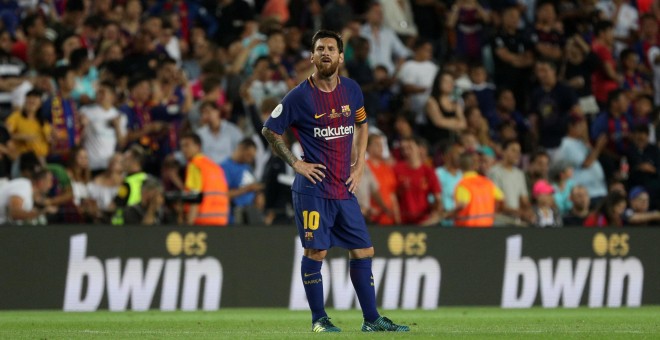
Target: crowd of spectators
pixel 553 102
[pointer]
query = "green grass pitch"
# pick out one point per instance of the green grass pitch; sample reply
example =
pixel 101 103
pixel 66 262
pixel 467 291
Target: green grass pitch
pixel 468 322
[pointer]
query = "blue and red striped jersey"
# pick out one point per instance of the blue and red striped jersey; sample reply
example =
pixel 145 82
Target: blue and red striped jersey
pixel 324 123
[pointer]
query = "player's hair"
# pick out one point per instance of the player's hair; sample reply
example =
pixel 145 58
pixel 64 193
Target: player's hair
pixel 322 34
pixel 193 137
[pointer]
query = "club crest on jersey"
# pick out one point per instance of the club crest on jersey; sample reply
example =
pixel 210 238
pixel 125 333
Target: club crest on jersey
pixel 346 110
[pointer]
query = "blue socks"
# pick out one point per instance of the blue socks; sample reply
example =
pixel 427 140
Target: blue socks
pixel 310 271
pixel 363 282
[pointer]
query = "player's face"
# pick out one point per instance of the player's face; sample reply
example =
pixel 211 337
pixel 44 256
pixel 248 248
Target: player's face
pixel 326 57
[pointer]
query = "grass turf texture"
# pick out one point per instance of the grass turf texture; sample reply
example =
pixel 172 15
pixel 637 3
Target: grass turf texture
pixel 469 322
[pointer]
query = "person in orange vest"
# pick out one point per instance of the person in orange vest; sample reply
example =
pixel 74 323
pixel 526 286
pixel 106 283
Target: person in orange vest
pixel 477 197
pixel 207 178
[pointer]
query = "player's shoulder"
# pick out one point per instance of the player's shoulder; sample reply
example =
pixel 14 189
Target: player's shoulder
pixel 348 82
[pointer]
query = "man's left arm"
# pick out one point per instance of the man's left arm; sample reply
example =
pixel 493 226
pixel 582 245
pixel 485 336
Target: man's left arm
pixel 360 147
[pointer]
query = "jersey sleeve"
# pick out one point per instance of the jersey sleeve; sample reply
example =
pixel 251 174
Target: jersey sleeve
pixel 284 114
pixel 358 99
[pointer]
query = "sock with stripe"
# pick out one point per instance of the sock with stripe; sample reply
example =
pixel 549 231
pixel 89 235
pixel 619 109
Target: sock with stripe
pixel 363 282
pixel 310 271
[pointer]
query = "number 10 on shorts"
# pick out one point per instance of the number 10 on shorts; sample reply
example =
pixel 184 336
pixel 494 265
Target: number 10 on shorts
pixel 311 219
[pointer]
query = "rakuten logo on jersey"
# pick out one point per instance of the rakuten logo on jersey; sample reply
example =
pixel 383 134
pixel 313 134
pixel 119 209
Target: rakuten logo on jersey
pixel 333 132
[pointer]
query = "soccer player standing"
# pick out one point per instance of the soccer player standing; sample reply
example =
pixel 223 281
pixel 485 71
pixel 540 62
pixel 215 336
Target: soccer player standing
pixel 325 111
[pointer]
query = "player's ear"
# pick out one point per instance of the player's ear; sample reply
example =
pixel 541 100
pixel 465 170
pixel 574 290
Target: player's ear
pixel 341 58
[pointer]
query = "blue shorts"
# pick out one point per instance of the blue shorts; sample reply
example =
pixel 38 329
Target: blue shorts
pixel 325 223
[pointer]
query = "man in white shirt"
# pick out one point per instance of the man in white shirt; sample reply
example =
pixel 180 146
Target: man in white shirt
pixel 417 75
pixel 507 176
pixel 17 198
pixel 384 44
pixel 219 137
pixel 106 128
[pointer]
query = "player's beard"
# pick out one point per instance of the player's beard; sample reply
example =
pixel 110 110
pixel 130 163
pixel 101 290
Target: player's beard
pixel 327 70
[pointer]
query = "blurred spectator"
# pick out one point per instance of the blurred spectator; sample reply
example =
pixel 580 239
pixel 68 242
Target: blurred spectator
pixel 467 18
pixel 61 112
pixel 28 129
pixel 538 168
pixel 84 91
pixel 507 176
pixel 561 175
pixel 579 64
pixel 548 36
pixel 206 178
pixel 605 78
pixel 219 137
pixel 484 91
pixel 642 114
pixel 234 17
pixel 384 207
pixel 613 124
pixel 210 89
pixel 130 22
pixel 151 210
pixel 580 207
pixel 129 193
pixel 633 81
pixel 513 56
pixel 278 178
pixel 576 150
pixel 398 16
pixel 639 212
pixel 444 112
pixel 505 111
pixel 648 37
pixel 106 130
pixel 449 175
pixel 644 160
pixel 417 76
pixel 478 125
pixel 244 189
pixel 12 74
pixel 551 105
pixel 610 212
pixel 80 176
pixel 545 212
pixel 477 197
pixel 142 128
pixel 336 15
pixel 104 187
pixel 383 42
pixel 367 191
pixel 22 199
pixel 263 84
pixel 654 59
pixel 416 183
pixel 625 18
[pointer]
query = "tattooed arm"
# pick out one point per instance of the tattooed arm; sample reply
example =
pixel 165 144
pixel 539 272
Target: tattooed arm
pixel 313 172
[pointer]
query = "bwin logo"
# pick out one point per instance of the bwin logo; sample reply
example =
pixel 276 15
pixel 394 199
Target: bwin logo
pixel 333 132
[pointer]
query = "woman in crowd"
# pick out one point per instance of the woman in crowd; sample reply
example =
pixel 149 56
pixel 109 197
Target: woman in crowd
pixel 444 112
pixel 28 128
pixel 80 175
pixel 610 212
pixel 103 188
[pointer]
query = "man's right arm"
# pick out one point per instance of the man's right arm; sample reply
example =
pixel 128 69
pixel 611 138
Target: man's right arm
pixel 313 172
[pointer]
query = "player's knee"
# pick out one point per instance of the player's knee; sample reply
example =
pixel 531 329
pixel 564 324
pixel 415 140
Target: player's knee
pixel 362 253
pixel 316 254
